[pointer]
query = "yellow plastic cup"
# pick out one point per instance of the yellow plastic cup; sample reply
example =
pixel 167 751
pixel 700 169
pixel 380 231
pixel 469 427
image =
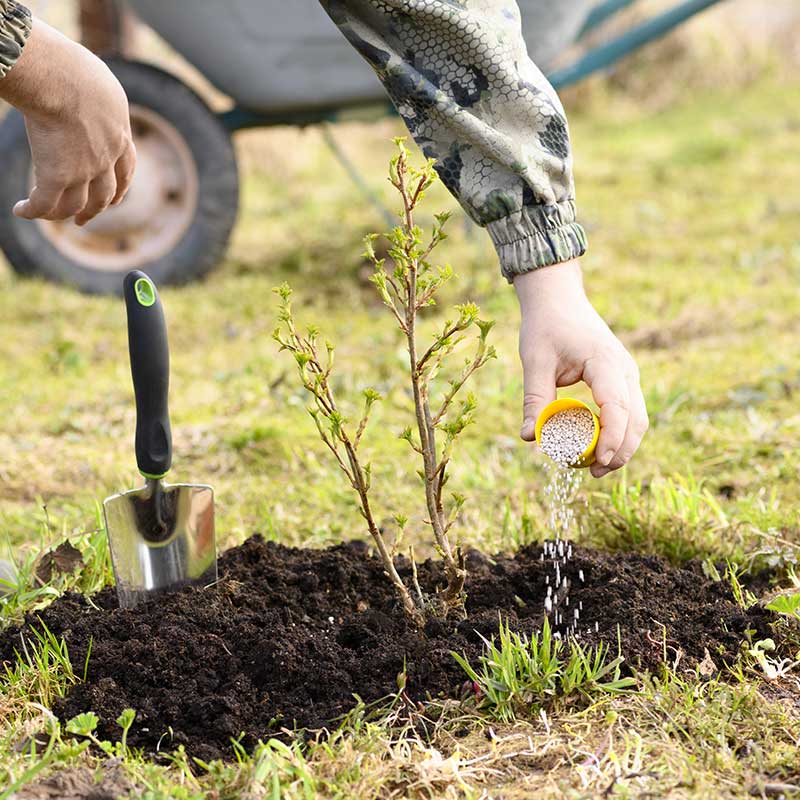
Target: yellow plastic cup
pixel 562 404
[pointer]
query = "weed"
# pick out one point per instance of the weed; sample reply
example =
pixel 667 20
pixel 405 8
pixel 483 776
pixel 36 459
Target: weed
pixel 788 603
pixel 519 675
pixel 772 667
pixel 676 517
pixel 743 597
pixel 29 592
pixel 43 670
pixel 84 725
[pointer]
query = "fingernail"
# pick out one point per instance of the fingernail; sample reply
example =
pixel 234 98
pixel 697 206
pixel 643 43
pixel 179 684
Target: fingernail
pixel 605 458
pixel 528 429
pixel 19 208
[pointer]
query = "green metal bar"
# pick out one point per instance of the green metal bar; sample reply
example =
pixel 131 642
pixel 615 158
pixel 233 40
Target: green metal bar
pixel 355 176
pixel 599 14
pixel 608 54
pixel 237 119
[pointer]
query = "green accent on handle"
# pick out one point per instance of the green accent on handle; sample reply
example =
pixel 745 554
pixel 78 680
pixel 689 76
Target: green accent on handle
pixel 153 477
pixel 145 292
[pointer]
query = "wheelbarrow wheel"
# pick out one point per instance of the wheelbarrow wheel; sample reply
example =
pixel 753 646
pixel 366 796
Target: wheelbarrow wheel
pixel 177 217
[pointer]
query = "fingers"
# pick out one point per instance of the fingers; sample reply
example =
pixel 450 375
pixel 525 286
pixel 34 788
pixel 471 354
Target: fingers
pixel 82 201
pixel 102 191
pixel 123 170
pixel 623 412
pixel 611 393
pixel 540 389
pixel 72 202
pixel 637 427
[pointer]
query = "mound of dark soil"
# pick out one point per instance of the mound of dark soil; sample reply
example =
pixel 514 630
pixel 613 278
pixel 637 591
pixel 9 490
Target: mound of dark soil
pixel 288 636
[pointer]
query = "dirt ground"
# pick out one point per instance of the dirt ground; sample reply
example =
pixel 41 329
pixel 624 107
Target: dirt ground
pixel 288 636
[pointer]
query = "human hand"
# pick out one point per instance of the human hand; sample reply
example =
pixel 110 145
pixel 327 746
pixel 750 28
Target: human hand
pixel 76 116
pixel 563 340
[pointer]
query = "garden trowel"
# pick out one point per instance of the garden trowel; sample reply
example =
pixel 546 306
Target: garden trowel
pixel 161 536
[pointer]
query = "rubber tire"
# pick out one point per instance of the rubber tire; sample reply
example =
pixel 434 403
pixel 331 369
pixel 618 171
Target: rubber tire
pixel 205 241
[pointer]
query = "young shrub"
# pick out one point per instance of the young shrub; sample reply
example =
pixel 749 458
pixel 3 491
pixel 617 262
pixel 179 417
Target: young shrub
pixel 406 287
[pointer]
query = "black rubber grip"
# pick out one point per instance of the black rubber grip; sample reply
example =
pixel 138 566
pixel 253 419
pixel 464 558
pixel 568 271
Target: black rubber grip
pixel 149 351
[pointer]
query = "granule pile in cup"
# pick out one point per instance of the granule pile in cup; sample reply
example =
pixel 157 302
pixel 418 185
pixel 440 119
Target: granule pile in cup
pixel 567 434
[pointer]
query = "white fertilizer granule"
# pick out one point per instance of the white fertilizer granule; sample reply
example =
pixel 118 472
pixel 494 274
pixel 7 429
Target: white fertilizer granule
pixel 566 435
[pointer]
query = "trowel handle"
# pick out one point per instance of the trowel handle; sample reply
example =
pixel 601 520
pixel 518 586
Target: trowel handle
pixel 147 342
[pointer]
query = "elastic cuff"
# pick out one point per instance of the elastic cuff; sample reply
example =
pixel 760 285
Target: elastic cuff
pixel 15 25
pixel 537 236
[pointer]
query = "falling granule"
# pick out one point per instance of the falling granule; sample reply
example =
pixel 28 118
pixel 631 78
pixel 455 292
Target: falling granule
pixel 597 627
pixel 580 575
pixel 567 435
pixel 564 438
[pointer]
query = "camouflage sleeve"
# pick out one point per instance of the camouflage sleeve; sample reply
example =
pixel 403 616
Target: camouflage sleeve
pixel 459 74
pixel 15 25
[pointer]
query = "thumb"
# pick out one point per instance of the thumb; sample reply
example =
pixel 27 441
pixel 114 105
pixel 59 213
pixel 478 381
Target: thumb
pixel 540 389
pixel 22 209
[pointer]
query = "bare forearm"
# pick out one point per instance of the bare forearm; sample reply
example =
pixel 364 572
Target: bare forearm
pixel 40 80
pixel 76 117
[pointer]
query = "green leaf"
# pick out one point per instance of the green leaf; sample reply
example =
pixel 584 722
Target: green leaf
pixel 788 604
pixel 371 396
pixel 84 724
pixel 284 291
pixel 485 326
pixel 126 718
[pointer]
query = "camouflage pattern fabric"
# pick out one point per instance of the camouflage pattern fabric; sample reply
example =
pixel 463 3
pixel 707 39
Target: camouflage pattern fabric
pixel 459 74
pixel 15 25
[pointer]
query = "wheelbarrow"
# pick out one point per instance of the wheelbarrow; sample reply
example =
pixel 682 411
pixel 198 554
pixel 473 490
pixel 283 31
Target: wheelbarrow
pixel 280 64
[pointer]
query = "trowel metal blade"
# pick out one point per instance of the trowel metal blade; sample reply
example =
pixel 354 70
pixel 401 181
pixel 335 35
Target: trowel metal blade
pixel 161 537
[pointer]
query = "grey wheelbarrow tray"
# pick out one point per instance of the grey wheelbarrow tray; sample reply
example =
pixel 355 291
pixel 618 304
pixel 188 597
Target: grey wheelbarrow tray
pixel 286 63
pixel 279 62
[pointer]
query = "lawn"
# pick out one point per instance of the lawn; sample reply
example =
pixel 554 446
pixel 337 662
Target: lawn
pixel 694 261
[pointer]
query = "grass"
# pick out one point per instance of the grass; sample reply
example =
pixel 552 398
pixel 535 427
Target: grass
pixel 519 675
pixel 692 217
